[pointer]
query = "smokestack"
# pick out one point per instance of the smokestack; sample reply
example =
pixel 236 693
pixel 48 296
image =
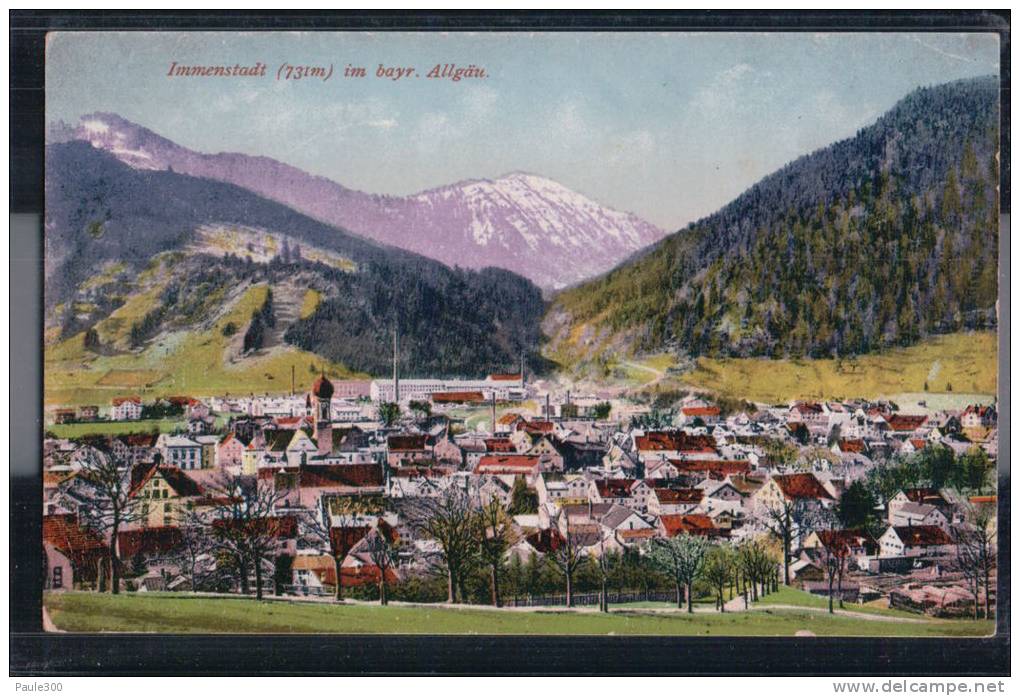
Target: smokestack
pixel 396 372
pixel 548 414
pixel 493 429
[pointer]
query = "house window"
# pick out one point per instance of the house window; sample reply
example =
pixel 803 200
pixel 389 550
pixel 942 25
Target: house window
pixel 168 507
pixel 58 578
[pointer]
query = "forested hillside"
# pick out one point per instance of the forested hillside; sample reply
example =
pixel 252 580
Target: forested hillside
pixel 134 256
pixel 881 239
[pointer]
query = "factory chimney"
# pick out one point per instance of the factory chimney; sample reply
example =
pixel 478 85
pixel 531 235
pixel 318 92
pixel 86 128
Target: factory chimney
pixel 396 372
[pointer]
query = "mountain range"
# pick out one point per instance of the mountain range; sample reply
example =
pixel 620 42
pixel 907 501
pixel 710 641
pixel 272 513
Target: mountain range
pixel 144 254
pixel 521 222
pixel 878 240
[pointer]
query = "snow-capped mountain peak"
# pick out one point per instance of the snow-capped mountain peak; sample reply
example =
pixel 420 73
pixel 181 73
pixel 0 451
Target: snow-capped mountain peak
pixel 520 221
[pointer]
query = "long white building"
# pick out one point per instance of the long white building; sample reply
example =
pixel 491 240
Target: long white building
pixel 503 386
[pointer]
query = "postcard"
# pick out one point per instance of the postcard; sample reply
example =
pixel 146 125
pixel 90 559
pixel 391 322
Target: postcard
pixel 521 333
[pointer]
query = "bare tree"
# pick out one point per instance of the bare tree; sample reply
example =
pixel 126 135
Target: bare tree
pixel 244 524
pixel 781 519
pixel 493 530
pixel 682 557
pixel 833 554
pixel 338 525
pixel 567 555
pixel 977 553
pixel 196 542
pixel 105 501
pixel 382 544
pixel 449 519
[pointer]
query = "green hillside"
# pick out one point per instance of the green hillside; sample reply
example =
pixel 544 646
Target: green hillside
pixel 877 241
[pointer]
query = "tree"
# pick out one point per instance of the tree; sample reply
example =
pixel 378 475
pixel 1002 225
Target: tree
pixel 757 567
pixel 382 545
pixel 389 413
pixel 523 500
pixel 720 565
pixel 244 525
pixel 90 341
pixel 449 519
pixel 977 553
pixel 340 524
pixel 601 410
pixel 196 543
pixel 833 555
pixel 937 464
pixel 229 329
pixel 567 555
pixel 856 507
pixel 682 558
pixel 422 409
pixel 493 530
pixel 974 469
pixel 106 501
pixel 781 518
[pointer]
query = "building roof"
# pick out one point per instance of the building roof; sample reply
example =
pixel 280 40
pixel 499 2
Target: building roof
pixel 331 475
pixel 679 496
pixel 514 377
pixel 674 441
pixel 71 539
pixel 616 488
pixel 903 423
pixel 405 443
pixel 832 538
pixel 922 535
pixel 118 400
pixel 149 541
pixel 499 444
pixel 457 397
pixel 856 446
pixel 931 496
pixel 801 486
pixel 507 464
pixel 700 411
pixel 700 525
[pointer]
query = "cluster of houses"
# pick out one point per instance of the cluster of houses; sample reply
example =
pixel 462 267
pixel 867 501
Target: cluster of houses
pixel 603 482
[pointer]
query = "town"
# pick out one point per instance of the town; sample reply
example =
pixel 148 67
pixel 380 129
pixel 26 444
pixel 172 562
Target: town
pixel 382 490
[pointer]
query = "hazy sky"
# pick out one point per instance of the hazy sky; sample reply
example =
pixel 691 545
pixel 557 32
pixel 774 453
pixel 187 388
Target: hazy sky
pixel 670 126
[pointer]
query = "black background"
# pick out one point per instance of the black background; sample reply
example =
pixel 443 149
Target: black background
pixel 34 652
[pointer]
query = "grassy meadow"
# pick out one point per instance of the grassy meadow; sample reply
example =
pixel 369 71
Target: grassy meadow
pixel 199 363
pixel 165 612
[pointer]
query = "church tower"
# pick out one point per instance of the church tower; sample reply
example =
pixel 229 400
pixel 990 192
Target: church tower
pixel 322 393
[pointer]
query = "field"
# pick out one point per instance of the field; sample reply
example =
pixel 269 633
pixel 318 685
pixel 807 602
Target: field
pixel 158 612
pixel 72 430
pixel 966 362
pixel 198 363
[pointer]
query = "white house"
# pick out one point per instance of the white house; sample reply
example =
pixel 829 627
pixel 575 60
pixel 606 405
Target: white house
pixel 126 408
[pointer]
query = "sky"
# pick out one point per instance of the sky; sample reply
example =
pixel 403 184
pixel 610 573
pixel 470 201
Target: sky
pixel 670 126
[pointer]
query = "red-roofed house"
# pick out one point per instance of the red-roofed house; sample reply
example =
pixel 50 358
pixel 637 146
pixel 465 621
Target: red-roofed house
pixel 915 540
pixel 709 415
pixel 632 493
pixel 675 501
pixel 72 554
pixel 698 525
pixel 126 408
pixel 526 465
pixel 406 448
pixel 797 488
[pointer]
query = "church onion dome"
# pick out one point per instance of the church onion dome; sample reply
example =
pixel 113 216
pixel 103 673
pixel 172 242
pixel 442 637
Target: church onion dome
pixel 322 388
